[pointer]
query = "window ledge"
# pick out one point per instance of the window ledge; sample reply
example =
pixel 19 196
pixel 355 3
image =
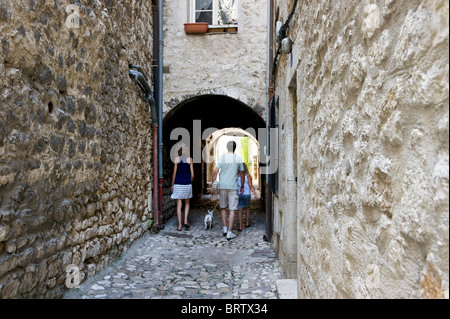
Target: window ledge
pixel 220 29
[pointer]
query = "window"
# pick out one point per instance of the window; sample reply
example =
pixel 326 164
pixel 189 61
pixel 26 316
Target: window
pixel 215 12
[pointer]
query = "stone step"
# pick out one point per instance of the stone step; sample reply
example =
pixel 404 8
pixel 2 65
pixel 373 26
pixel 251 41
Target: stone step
pixel 286 289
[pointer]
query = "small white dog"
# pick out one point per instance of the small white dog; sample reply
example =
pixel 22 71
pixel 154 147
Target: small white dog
pixel 209 219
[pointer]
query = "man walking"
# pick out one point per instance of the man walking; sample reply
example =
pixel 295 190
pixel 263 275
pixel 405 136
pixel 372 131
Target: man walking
pixel 230 166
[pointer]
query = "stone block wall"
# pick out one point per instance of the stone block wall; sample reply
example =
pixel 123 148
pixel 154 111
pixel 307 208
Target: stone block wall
pixel 372 121
pixel 75 139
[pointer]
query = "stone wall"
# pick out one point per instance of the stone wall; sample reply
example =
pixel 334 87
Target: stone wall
pixel 371 90
pixel 75 140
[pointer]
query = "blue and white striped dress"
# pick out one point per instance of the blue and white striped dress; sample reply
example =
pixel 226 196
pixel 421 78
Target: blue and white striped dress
pixel 182 188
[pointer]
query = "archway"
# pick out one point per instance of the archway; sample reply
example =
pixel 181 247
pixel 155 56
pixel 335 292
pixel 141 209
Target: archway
pixel 248 150
pixel 198 117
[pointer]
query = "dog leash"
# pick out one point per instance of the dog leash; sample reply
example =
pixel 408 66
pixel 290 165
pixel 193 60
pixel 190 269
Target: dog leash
pixel 216 192
pixel 217 203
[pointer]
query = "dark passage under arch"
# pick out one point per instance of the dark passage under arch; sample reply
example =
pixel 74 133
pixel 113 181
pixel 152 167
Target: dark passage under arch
pixel 213 111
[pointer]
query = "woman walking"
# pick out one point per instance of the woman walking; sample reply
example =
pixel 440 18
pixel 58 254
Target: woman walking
pixel 183 175
pixel 245 198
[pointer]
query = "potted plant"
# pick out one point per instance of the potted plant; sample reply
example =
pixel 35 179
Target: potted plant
pixel 196 27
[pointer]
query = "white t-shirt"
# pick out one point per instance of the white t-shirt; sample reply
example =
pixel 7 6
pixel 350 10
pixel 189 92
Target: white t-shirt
pixel 230 165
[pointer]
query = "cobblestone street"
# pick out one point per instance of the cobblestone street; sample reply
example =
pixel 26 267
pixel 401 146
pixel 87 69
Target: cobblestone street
pixel 194 263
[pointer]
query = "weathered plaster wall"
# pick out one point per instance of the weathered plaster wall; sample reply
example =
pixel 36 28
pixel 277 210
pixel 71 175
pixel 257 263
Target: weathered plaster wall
pixel 75 143
pixel 372 147
pixel 228 64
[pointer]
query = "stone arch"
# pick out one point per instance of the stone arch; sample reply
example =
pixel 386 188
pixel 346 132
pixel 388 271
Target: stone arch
pixel 252 100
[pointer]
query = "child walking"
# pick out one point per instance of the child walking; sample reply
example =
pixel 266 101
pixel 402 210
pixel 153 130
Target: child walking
pixel 245 198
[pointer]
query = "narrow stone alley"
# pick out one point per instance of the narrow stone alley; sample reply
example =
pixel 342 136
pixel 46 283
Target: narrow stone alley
pixel 340 110
pixel 194 263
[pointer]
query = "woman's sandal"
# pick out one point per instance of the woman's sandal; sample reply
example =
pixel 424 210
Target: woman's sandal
pixel 187 226
pixel 179 228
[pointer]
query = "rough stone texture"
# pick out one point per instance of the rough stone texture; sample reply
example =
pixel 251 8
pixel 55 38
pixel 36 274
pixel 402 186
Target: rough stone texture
pixel 75 140
pixel 370 87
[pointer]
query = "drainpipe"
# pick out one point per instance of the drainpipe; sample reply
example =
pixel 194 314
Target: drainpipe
pixel 141 80
pixel 155 126
pixel 160 106
pixel 155 177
